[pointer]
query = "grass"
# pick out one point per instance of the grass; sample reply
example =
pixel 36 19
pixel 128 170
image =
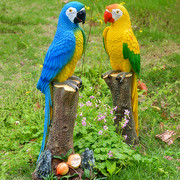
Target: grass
pixel 27 28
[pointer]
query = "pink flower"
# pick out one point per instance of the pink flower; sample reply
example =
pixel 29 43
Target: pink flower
pixel 115 108
pixel 126 112
pixel 124 125
pixel 81 114
pixel 91 97
pixel 100 117
pixel 114 117
pixel 81 104
pixel 84 118
pixel 105 120
pixel 111 112
pixel 103 117
pixel 125 137
pixel 88 103
pixel 105 127
pixel 96 105
pixel 110 154
pixel 83 123
pixel 100 132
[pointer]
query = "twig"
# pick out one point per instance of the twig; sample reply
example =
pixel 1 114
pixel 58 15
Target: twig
pixel 74 171
pixel 89 34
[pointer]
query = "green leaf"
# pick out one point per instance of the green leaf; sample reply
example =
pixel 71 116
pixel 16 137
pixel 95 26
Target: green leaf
pixel 97 150
pixel 137 157
pixel 111 167
pixel 58 157
pixel 69 176
pixel 93 146
pixel 68 153
pixel 86 173
pixel 103 171
pixel 64 157
pixel 120 156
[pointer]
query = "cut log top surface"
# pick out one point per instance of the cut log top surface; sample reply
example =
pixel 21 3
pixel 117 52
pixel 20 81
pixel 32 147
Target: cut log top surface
pixel 66 87
pixel 115 74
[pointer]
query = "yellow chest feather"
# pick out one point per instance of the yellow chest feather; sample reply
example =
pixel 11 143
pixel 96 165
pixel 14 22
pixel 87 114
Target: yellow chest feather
pixel 68 70
pixel 114 45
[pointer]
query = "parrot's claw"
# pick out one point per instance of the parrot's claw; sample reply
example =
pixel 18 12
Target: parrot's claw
pixel 75 80
pixel 108 74
pixel 72 84
pixel 66 83
pixel 121 76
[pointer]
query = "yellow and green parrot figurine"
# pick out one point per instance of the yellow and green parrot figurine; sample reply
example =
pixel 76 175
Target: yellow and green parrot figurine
pixel 61 58
pixel 122 48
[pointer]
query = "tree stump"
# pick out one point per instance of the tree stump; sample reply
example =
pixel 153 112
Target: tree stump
pixel 60 138
pixel 121 96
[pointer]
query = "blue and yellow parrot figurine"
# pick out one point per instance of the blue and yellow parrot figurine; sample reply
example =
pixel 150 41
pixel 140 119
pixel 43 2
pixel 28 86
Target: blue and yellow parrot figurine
pixel 61 58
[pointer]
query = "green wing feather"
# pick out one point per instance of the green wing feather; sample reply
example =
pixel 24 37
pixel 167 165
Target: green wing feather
pixel 133 58
pixel 131 50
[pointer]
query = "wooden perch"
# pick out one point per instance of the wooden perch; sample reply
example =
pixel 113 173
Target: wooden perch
pixel 121 95
pixel 60 138
pixel 65 102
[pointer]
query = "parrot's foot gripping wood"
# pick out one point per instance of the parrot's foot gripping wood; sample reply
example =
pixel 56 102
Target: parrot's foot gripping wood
pixel 76 80
pixel 121 95
pixel 119 75
pixel 122 75
pixel 72 83
pixel 108 73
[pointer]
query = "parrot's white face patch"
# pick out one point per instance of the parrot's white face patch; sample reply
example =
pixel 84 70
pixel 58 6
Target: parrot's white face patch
pixel 71 13
pixel 116 14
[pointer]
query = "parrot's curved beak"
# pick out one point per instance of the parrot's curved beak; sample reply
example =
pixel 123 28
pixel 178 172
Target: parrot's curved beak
pixel 108 17
pixel 81 16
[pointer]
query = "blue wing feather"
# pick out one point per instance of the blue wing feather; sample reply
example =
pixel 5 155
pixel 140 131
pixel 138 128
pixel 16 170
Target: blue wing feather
pixel 58 55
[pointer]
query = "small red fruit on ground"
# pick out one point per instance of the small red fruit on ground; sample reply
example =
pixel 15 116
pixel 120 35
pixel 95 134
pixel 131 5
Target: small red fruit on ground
pixel 62 168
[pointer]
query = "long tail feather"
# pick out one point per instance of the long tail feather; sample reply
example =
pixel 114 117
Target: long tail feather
pixel 134 95
pixel 48 104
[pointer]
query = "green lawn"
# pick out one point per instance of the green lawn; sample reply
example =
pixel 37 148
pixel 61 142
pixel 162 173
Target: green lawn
pixel 27 28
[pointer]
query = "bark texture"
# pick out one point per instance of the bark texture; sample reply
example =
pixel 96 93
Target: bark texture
pixel 60 138
pixel 65 102
pixel 121 96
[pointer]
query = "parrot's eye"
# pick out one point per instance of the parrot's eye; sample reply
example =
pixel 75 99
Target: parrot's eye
pixel 71 13
pixel 116 14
